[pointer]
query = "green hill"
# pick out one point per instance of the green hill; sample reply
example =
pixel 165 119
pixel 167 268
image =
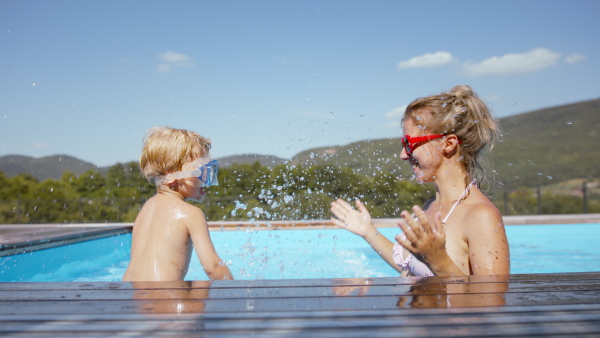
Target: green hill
pixel 45 167
pixel 550 145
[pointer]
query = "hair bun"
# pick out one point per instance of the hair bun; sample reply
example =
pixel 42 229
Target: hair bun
pixel 463 92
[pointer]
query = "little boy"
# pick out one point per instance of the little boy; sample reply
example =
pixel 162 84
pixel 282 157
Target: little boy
pixel 178 161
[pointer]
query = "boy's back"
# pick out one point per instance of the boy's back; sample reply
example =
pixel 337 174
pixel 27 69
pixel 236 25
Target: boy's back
pixel 161 248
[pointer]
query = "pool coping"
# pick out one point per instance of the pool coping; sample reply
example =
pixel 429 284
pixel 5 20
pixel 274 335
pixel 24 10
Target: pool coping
pixel 16 239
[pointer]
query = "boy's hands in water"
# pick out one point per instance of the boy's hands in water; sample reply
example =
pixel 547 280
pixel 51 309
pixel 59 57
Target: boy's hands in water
pixel 358 222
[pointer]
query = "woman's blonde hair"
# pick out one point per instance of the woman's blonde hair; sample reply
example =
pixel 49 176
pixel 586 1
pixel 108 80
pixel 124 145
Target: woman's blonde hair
pixel 167 149
pixel 462 113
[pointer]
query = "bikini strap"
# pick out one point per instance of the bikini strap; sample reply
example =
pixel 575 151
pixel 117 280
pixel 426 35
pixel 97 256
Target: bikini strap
pixel 464 194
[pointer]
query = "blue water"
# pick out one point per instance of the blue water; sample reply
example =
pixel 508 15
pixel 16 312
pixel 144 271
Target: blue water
pixel 292 254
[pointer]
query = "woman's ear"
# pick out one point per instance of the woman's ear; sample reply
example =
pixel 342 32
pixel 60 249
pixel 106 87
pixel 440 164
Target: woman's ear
pixel 451 144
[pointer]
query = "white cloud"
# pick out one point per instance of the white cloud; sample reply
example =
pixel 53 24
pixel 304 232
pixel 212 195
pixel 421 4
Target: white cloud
pixel 427 60
pixel 397 112
pixel 396 115
pixel 171 59
pixel 573 58
pixel 513 63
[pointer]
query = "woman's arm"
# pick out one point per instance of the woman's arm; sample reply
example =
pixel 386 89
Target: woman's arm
pixel 360 223
pixel 488 245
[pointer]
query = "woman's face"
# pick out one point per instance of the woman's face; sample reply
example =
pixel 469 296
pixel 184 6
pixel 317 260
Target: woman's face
pixel 425 157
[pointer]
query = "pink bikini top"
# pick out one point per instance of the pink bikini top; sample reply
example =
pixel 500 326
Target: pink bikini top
pixel 415 266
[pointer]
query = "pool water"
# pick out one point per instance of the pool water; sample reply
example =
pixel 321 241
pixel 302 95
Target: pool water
pixel 301 254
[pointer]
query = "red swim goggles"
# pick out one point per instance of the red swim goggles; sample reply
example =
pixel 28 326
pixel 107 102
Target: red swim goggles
pixel 411 143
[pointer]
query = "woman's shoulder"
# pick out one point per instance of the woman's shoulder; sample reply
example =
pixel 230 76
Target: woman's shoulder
pixel 482 213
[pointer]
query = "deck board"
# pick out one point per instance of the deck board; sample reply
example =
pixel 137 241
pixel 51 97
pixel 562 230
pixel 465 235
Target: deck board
pixel 517 305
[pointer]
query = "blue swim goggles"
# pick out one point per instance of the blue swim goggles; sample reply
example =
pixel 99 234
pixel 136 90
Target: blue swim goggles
pixel 207 172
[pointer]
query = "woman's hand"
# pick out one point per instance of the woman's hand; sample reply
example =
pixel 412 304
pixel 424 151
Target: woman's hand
pixel 358 222
pixel 426 240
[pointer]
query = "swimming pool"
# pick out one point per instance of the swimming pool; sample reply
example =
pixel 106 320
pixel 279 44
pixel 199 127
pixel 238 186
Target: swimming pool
pixel 301 254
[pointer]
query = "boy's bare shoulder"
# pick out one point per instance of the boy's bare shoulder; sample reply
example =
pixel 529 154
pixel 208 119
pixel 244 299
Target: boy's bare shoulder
pixel 192 211
pixel 181 210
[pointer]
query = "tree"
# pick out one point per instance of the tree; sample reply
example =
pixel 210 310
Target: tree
pixel 52 202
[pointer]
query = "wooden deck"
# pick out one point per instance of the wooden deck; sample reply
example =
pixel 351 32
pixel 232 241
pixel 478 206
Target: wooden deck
pixel 516 305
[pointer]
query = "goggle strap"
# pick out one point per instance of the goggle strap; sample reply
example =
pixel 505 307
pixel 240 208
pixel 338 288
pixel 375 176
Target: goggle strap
pixel 198 172
pixel 183 174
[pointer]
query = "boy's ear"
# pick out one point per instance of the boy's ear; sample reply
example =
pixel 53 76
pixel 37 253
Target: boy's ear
pixel 171 182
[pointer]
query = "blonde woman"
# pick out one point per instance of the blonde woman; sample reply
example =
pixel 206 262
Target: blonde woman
pixel 460 232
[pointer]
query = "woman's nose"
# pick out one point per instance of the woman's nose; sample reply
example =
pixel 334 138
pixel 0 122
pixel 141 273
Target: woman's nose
pixel 404 155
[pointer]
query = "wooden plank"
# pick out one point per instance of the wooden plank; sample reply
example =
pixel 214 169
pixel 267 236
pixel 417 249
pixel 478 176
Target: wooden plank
pixel 578 277
pixel 296 292
pixel 524 280
pixel 195 303
pixel 466 327
pixel 565 321
pixel 398 324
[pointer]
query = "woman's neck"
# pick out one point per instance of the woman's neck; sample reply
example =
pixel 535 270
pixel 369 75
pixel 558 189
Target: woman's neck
pixel 450 185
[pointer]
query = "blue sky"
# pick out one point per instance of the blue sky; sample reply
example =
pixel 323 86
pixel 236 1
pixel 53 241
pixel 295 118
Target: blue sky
pixel 88 78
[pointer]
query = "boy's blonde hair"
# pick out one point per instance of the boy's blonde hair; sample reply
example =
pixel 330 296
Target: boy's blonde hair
pixel 167 149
